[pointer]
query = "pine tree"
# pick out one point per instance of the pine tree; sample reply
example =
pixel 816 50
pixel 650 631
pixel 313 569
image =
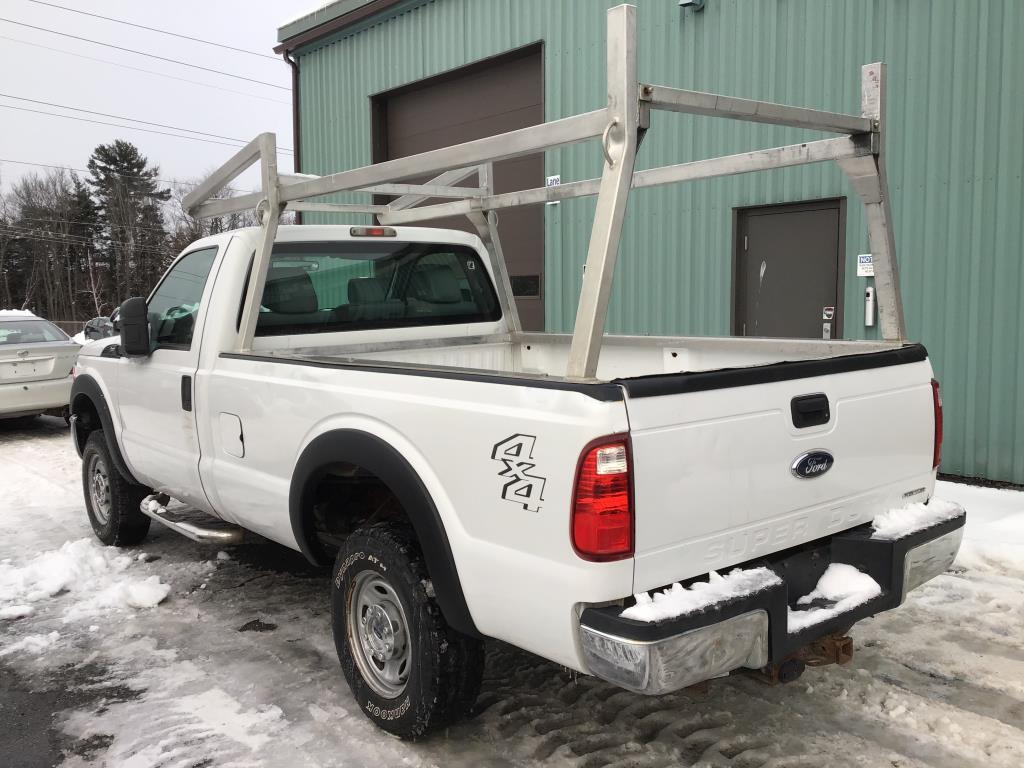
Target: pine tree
pixel 133 240
pixel 95 295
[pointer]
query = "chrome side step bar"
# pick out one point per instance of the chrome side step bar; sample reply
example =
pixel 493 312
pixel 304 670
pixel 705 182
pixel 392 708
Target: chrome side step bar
pixel 190 523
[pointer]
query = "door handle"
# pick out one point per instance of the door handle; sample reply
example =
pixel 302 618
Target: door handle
pixel 186 393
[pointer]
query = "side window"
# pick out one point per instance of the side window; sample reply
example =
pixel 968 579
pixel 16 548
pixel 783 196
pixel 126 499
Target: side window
pixel 175 304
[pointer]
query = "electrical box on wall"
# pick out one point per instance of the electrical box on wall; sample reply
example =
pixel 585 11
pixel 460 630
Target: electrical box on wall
pixel 869 306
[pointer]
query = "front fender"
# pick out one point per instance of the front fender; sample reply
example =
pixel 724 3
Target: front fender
pixel 86 391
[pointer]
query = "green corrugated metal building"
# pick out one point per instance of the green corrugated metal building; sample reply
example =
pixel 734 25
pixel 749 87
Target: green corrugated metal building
pixel 955 158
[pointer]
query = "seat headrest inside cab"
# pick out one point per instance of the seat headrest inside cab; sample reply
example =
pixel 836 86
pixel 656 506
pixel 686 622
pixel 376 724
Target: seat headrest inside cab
pixel 365 290
pixel 290 291
pixel 436 284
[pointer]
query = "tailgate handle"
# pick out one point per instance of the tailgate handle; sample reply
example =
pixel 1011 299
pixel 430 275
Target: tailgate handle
pixel 809 410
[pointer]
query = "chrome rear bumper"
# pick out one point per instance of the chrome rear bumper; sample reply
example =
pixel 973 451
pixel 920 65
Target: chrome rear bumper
pixel 751 631
pixel 682 660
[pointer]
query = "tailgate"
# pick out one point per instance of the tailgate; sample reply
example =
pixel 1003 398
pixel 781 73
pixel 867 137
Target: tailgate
pixel 714 456
pixel 37 362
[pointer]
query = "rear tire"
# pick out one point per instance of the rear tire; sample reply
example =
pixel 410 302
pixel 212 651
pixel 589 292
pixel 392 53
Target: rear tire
pixel 408 670
pixel 111 501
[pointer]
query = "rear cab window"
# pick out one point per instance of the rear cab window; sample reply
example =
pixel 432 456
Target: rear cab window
pixel 29 331
pixel 323 287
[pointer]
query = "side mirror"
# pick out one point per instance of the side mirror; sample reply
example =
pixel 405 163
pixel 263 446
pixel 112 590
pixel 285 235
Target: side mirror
pixel 134 321
pixel 98 328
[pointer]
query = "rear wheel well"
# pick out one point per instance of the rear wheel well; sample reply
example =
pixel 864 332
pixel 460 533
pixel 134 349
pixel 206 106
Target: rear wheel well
pixel 346 497
pixel 346 478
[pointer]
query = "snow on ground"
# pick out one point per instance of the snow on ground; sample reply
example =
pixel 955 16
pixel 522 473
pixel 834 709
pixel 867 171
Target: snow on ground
pixel 95 574
pixel 243 672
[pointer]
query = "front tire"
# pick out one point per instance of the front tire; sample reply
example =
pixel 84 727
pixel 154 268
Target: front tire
pixel 408 670
pixel 111 501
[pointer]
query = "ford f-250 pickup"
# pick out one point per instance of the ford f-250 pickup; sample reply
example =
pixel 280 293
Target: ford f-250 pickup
pixel 668 512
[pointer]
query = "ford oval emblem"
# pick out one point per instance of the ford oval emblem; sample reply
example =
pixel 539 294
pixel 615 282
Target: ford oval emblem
pixel 812 464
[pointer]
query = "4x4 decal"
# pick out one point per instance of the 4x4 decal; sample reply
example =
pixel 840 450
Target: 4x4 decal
pixel 515 453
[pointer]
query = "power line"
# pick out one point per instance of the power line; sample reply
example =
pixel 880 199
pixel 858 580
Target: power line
pixel 140 69
pixel 122 117
pixel 85 239
pixel 117 125
pixel 122 175
pixel 61 239
pixel 68 239
pixel 81 223
pixel 154 29
pixel 143 53
pixel 132 127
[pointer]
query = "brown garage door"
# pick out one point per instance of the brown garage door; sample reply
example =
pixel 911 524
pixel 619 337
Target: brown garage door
pixel 483 99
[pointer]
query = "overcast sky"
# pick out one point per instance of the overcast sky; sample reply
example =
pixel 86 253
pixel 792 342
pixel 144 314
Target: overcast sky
pixel 234 108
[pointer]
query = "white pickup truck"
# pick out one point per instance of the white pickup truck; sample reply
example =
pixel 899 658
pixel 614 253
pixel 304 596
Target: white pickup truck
pixel 377 406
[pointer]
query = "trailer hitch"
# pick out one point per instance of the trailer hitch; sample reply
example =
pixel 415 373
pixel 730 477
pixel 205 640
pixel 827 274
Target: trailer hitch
pixel 830 649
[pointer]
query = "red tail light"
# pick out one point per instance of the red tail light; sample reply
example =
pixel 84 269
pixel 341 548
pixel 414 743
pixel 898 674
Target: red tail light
pixel 937 404
pixel 602 505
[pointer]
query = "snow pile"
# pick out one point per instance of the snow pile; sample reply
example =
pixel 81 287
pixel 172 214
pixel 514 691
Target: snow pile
pixel 844 586
pixel 994 536
pixel 79 338
pixel 903 521
pixel 30 644
pixel 85 568
pixel 678 600
pixel 15 313
pixel 16 611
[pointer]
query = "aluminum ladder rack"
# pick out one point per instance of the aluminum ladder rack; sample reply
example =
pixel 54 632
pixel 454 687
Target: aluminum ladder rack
pixel 858 150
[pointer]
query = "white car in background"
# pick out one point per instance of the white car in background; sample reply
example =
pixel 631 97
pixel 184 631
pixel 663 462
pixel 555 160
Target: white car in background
pixel 36 363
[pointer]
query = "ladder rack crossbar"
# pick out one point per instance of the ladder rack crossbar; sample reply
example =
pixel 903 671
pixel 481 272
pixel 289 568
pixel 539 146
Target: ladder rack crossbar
pixel 714 105
pixel 788 156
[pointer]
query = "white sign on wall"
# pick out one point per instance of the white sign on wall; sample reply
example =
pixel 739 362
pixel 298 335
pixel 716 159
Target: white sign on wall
pixel 553 181
pixel 865 265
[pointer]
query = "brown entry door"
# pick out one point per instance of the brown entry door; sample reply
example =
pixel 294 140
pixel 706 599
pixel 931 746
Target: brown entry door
pixel 480 100
pixel 789 271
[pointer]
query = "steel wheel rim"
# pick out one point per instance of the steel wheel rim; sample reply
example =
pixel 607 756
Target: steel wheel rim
pixel 99 489
pixel 378 635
